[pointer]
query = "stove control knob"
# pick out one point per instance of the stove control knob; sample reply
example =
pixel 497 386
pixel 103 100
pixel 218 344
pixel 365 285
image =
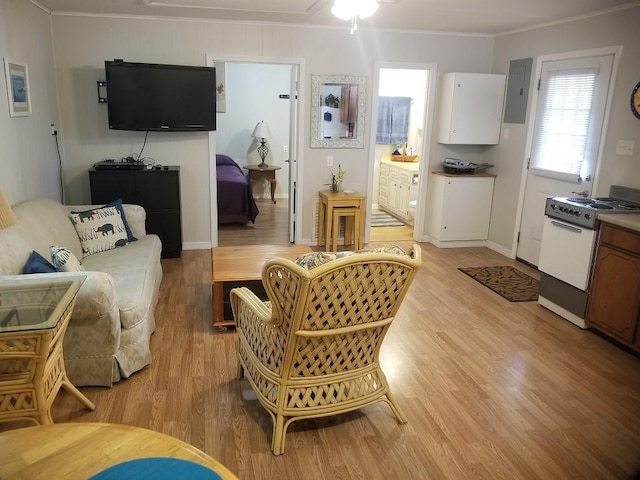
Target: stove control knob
pixel 553 206
pixel 571 211
pixel 587 216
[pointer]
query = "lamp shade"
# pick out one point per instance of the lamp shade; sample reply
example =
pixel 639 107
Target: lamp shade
pixel 261 131
pixel 7 217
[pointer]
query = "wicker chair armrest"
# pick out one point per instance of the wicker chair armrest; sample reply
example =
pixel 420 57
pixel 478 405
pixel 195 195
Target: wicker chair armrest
pixel 254 323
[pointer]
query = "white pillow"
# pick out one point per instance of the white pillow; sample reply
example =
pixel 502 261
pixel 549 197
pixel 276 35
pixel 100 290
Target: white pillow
pixel 64 260
pixel 99 229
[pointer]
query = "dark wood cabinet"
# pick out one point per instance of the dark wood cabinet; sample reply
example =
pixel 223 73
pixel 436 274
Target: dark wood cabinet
pixel 157 190
pixel 614 300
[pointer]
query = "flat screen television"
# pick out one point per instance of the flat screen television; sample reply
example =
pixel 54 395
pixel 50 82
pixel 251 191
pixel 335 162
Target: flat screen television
pixel 154 97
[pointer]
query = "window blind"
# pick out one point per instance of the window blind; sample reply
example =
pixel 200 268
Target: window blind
pixel 561 138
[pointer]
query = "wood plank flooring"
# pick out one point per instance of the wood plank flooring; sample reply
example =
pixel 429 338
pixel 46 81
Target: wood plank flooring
pixel 492 389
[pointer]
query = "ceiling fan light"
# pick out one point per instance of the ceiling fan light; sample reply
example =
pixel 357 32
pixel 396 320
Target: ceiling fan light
pixel 348 9
pixel 342 9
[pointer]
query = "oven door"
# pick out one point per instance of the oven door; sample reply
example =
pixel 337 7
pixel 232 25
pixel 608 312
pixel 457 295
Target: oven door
pixel 566 252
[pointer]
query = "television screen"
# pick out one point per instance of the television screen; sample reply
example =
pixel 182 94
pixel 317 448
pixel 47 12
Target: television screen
pixel 145 96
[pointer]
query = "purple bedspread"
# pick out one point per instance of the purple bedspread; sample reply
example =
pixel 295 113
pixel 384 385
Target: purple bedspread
pixel 235 200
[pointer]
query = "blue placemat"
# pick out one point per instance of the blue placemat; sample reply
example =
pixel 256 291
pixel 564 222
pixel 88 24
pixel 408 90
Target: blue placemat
pixel 157 468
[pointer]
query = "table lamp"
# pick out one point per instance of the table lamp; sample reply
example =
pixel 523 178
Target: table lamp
pixel 7 217
pixel 262 132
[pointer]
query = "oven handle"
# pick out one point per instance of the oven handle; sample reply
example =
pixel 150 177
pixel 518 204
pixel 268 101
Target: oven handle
pixel 567 227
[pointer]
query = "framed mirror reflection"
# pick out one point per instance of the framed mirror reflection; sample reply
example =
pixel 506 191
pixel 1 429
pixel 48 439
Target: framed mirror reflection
pixel 338 111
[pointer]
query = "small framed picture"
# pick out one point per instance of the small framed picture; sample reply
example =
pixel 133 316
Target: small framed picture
pixel 17 76
pixel 221 86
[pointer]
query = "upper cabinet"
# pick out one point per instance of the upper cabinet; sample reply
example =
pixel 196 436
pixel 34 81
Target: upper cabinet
pixel 470 108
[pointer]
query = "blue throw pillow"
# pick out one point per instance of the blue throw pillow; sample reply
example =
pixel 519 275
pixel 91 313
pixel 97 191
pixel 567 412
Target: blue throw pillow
pixel 118 205
pixel 38 264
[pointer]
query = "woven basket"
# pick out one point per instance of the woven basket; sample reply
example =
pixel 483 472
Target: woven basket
pixel 404 158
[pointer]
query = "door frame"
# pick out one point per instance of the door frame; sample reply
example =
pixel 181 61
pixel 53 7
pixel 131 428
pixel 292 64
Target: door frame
pixel 616 51
pixel 296 157
pixel 419 222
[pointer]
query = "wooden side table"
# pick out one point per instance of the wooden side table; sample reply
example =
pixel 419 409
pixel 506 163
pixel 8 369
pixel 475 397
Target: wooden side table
pixel 82 450
pixel 330 201
pixel 268 173
pixel 34 315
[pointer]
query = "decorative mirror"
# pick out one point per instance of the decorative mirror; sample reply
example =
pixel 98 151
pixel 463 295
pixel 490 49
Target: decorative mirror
pixel 337 111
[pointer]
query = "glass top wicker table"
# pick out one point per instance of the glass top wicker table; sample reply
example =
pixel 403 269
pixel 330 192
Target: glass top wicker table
pixel 34 315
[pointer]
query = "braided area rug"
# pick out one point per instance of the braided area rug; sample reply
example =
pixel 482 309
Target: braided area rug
pixel 506 281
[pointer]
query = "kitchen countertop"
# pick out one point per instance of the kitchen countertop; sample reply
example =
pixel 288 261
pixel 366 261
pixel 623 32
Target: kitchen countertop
pixel 411 166
pixel 625 220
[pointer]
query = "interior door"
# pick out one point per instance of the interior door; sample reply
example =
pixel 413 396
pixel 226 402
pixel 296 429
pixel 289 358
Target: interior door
pixel 562 159
pixel 293 152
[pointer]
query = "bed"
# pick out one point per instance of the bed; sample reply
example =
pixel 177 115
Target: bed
pixel 235 200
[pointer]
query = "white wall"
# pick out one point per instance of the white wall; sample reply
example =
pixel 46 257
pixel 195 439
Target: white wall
pixel 617 28
pixel 253 91
pixel 83 43
pixel 28 162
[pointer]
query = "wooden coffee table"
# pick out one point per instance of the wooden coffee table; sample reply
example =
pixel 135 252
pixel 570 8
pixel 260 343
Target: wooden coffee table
pixel 242 266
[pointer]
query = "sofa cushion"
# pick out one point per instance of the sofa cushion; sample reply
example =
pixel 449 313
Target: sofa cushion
pixel 134 269
pixel 100 229
pixel 64 260
pixel 38 264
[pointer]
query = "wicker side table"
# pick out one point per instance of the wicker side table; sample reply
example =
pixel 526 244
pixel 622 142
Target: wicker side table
pixel 34 315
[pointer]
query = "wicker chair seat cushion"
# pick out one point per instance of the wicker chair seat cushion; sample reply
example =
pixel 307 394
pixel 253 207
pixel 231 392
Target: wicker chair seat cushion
pixel 313 260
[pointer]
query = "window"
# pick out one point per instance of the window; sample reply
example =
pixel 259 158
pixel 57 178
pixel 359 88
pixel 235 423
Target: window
pixel 569 117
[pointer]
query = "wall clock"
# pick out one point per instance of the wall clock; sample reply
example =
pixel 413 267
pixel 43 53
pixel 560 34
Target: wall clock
pixel 635 101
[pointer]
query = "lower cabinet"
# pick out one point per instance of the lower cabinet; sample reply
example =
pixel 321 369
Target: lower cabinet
pixel 157 190
pixel 397 187
pixel 459 209
pixel 614 300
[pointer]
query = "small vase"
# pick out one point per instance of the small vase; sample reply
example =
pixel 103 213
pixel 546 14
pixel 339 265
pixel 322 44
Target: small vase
pixel 334 187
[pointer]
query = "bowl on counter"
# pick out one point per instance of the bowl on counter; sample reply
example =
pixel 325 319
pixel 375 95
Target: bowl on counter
pixel 455 166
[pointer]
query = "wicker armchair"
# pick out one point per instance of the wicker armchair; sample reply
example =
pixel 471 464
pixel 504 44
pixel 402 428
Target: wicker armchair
pixel 313 350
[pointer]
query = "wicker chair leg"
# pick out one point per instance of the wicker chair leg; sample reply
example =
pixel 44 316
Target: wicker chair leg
pixel 396 408
pixel 240 371
pixel 277 442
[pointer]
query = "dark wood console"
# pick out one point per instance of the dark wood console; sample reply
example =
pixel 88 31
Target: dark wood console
pixel 157 190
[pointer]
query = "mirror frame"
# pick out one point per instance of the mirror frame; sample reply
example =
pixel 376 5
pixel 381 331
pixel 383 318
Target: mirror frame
pixel 316 82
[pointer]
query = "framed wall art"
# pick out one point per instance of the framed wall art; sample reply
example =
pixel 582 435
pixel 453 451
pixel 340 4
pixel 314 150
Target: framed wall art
pixel 17 76
pixel 221 86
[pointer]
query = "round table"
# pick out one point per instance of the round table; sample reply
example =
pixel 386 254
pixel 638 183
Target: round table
pixel 80 450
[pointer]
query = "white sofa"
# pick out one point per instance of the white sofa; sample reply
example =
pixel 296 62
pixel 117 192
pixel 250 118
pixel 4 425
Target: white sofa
pixel 110 329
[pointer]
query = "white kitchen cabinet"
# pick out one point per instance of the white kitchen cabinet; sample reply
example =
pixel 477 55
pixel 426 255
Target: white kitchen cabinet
pixel 470 108
pixel 459 209
pixel 398 185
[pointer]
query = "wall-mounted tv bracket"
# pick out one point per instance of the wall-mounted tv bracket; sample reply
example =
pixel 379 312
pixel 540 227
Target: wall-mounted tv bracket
pixel 102 92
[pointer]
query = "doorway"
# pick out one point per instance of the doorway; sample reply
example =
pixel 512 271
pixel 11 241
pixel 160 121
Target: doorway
pixel 401 104
pixel 257 92
pixel 569 122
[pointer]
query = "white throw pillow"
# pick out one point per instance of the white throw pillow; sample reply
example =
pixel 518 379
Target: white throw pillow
pixel 64 260
pixel 99 229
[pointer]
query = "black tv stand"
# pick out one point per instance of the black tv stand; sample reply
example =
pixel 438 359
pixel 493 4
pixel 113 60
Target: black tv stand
pixel 158 191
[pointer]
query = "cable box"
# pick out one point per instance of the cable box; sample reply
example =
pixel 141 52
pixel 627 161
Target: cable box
pixel 113 165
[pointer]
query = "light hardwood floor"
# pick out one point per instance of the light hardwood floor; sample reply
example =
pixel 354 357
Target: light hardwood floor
pixel 271 228
pixel 492 389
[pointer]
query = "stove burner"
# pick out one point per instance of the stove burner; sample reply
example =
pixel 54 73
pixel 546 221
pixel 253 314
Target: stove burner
pixel 580 200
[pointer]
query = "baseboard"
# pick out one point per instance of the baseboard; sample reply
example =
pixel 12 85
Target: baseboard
pixel 500 249
pixel 457 243
pixel 196 246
